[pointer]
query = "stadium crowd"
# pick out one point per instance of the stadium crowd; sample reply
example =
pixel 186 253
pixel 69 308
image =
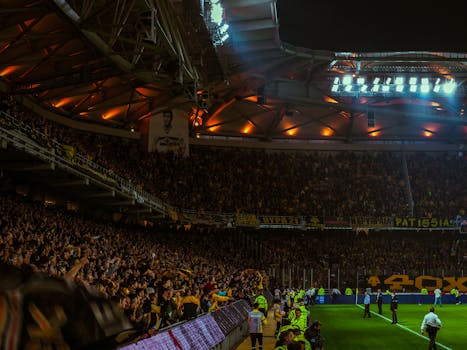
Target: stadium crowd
pixel 157 277
pixel 326 184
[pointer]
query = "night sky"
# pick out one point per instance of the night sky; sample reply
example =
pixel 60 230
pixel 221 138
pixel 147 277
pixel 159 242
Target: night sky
pixel 365 26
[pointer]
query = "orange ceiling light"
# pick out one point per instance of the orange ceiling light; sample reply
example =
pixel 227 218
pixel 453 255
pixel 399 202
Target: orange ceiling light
pixel 292 132
pixel 330 99
pixel 326 132
pixel 112 113
pixel 146 92
pixel 222 108
pixel 374 133
pixel 198 121
pixel 337 70
pixel 9 70
pixel 196 115
pixel 247 129
pixel 427 133
pixel 63 102
pixel 434 104
pixel 214 128
pixel 252 98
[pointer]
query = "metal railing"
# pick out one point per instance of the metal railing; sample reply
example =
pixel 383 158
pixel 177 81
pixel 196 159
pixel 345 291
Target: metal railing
pixel 40 145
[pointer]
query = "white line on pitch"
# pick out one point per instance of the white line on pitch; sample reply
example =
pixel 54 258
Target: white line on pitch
pixel 405 328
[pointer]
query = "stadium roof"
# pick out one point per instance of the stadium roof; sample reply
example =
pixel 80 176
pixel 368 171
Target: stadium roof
pixel 116 62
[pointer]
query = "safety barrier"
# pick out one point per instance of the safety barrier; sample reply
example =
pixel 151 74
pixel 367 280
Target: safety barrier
pixel 40 145
pixel 221 329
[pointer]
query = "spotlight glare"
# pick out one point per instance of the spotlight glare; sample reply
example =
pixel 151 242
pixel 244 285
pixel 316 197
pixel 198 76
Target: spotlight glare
pixel 360 81
pixel 376 81
pixel 335 88
pixel 385 88
pixel 400 88
pixel 399 80
pixel 216 13
pixel 336 80
pixel 449 87
pixel 424 88
pixel 413 81
pixel 347 80
pixel 375 88
pixel 224 28
pixel 225 37
pixel 413 88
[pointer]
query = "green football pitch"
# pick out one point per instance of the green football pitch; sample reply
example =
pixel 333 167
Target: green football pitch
pixel 343 327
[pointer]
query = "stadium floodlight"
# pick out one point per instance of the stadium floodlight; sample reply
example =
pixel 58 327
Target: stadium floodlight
pixel 347 80
pixel 335 88
pixel 437 86
pixel 413 81
pixel 216 12
pixel 360 80
pixel 399 80
pixel 224 28
pixel 449 86
pixel 425 86
pixel 224 37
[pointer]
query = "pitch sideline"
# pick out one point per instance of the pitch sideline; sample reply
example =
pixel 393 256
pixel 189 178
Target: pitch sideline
pixel 405 328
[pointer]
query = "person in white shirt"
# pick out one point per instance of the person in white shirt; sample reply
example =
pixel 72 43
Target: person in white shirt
pixel 438 300
pixel 431 323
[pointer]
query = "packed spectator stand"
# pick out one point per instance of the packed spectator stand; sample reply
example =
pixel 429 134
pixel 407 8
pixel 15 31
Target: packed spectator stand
pixel 336 184
pixel 160 275
pixel 137 267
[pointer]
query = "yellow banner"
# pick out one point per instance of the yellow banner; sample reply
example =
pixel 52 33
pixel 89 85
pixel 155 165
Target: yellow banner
pixel 398 282
pixel 280 220
pixel 246 220
pixel 422 222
